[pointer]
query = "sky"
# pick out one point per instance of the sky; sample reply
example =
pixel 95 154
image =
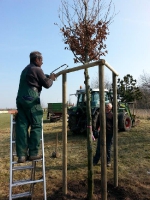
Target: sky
pixel 28 25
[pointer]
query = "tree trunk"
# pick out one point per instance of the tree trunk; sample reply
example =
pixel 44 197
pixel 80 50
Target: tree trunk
pixel 89 120
pixel 89 137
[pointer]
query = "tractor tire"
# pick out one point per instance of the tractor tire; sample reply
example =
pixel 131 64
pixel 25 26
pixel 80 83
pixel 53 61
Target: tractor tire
pixel 72 122
pixel 124 122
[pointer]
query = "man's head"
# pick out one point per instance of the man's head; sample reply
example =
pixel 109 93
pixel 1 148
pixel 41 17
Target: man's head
pixel 36 57
pixel 108 107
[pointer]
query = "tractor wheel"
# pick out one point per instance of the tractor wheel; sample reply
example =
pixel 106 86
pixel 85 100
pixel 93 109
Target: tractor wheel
pixel 124 122
pixel 72 123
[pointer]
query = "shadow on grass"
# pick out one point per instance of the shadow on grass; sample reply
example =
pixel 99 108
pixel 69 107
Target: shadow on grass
pixel 47 121
pixel 60 167
pixel 50 136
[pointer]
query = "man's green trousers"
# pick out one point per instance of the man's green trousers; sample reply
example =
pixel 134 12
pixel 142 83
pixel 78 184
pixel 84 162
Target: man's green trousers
pixel 28 129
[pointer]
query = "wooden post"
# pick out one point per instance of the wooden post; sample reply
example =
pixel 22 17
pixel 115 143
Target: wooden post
pixel 115 129
pixel 102 134
pixel 64 133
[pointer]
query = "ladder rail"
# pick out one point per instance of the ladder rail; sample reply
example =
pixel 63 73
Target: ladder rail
pixel 32 177
pixel 11 156
pixel 13 168
pixel 43 164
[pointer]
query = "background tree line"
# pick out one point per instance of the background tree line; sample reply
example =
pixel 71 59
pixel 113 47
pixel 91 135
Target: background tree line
pixel 131 90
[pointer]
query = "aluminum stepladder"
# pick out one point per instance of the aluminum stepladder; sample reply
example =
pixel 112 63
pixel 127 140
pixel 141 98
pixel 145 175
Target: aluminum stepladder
pixel 28 165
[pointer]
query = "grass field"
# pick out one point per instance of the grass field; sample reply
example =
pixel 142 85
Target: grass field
pixel 133 161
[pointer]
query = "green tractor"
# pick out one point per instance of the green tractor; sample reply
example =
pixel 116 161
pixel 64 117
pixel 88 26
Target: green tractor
pixel 77 122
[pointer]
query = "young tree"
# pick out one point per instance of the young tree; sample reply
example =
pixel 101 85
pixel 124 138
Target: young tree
pixel 86 30
pixel 85 35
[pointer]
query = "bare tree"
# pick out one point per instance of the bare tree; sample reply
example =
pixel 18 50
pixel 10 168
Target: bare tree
pixel 95 83
pixel 85 35
pixel 144 85
pixel 144 80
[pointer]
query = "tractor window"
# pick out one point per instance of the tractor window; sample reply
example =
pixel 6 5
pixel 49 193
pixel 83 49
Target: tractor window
pixel 95 96
pixel 95 99
pixel 81 99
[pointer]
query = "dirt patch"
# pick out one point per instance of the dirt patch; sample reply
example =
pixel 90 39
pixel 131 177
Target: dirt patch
pixel 78 190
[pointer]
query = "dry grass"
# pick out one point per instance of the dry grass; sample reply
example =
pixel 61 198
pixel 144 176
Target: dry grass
pixel 133 152
pixel 142 113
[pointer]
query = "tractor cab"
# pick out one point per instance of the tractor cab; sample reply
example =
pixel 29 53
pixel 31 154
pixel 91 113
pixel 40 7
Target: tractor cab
pixel 94 96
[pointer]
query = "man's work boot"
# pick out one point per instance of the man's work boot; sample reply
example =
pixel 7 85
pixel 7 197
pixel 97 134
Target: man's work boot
pixel 35 157
pixel 22 159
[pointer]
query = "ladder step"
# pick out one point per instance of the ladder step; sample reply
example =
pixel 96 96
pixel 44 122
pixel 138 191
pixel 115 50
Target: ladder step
pixel 22 167
pixel 13 141
pixel 15 162
pixel 25 194
pixel 24 182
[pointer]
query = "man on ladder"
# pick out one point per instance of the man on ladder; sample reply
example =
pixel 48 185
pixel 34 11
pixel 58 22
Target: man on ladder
pixel 30 112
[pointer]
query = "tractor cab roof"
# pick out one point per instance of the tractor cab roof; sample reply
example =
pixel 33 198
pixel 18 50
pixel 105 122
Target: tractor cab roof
pixel 97 90
pixel 82 91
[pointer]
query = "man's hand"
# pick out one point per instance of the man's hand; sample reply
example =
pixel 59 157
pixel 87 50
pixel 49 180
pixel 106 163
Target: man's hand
pixel 53 77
